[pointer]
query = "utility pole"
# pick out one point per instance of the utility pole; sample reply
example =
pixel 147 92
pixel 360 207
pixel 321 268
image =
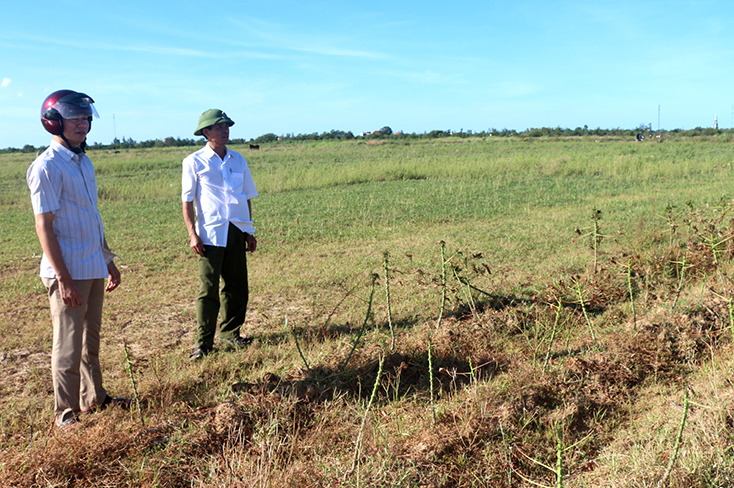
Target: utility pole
pixel 658 118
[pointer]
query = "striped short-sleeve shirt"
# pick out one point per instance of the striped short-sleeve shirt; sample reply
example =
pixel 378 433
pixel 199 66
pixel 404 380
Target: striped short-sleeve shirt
pixel 64 184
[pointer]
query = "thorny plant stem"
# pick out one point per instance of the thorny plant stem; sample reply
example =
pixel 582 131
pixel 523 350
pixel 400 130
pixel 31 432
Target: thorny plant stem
pixel 132 380
pixel 358 445
pixel 681 278
pixel 298 346
pixel 559 457
pixel 467 293
pixel 632 295
pixel 559 306
pixel 386 256
pixel 30 425
pixel 583 309
pixel 364 324
pixel 730 305
pixel 443 283
pixel 472 371
pixel 468 288
pixel 595 238
pixel 558 470
pixel 508 456
pixel 678 442
pixel 430 386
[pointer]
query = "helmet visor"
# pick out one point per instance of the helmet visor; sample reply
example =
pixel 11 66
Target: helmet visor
pixel 76 105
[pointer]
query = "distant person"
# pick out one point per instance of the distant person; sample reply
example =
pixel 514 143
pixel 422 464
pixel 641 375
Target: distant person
pixel 218 182
pixel 76 259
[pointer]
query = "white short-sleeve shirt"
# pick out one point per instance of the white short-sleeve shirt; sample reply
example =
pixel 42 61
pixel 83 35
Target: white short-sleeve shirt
pixel 64 184
pixel 220 190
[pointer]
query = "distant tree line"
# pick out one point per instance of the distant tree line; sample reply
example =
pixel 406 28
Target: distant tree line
pixel 387 133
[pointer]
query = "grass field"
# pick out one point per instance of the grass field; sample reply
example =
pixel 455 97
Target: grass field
pixel 509 353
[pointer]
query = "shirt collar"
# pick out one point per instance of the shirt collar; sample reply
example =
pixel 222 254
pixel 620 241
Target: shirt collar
pixel 64 151
pixel 210 152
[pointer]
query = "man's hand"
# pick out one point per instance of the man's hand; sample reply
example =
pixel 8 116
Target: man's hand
pixel 71 295
pixel 251 243
pixel 113 278
pixel 189 218
pixel 196 245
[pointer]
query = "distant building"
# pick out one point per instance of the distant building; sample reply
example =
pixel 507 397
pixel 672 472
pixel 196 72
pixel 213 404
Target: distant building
pixel 716 121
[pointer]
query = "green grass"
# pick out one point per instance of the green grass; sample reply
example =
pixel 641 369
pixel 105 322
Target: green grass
pixel 326 214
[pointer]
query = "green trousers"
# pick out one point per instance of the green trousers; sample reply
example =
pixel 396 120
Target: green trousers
pixel 230 264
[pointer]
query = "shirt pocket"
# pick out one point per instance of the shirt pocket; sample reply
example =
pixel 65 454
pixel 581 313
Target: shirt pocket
pixel 238 179
pixel 75 191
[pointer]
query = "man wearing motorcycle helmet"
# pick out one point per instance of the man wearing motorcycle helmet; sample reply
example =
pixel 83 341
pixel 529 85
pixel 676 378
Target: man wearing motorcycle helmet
pixel 76 259
pixel 74 108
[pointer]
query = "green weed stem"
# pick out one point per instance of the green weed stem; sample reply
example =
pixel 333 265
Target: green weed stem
pixel 558 469
pixel 364 324
pixel 508 455
pixel 467 292
pixel 386 256
pixel 730 305
pixel 559 306
pixel 358 444
pixel 629 289
pixel 430 378
pixel 596 237
pixel 443 283
pixel 577 287
pixel 559 456
pixel 681 277
pixel 678 442
pixel 468 288
pixel 298 346
pixel 129 368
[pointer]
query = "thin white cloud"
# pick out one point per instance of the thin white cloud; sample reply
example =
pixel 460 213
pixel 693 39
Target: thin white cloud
pixel 282 37
pixel 329 51
pixel 5 82
pixel 142 48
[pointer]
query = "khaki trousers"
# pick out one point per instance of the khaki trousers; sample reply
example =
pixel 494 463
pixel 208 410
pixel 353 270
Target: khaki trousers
pixel 75 368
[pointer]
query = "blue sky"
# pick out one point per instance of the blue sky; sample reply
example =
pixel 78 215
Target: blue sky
pixel 300 67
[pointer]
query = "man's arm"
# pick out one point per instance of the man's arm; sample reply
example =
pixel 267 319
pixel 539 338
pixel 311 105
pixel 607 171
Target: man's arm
pixel 113 274
pixel 189 216
pixel 249 238
pixel 70 293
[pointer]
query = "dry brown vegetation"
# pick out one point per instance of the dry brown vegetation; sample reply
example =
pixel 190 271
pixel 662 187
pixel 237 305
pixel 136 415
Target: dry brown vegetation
pixel 504 398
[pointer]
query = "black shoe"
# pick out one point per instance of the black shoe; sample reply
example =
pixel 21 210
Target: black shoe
pixel 123 403
pixel 199 352
pixel 237 342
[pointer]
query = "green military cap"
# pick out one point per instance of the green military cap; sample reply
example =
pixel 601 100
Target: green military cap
pixel 210 118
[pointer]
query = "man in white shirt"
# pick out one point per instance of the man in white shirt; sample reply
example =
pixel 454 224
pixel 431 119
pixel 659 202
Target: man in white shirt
pixel 76 259
pixel 217 181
